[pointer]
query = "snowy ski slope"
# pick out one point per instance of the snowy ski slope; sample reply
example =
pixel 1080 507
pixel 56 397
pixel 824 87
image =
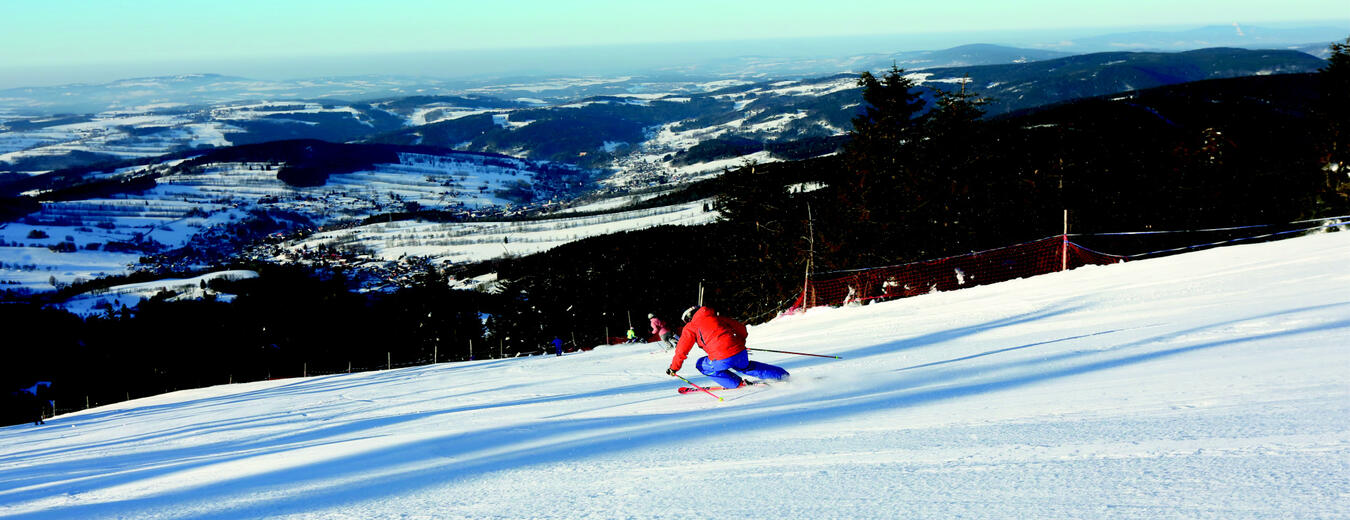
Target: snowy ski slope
pixel 1214 384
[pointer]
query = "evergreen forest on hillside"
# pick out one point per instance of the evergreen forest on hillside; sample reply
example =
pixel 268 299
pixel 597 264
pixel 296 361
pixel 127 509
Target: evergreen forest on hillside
pixel 918 178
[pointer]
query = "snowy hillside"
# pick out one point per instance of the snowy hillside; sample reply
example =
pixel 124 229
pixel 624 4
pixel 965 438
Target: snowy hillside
pixel 1209 385
pixel 118 135
pixel 467 242
pixel 71 241
pixel 152 130
pixel 131 295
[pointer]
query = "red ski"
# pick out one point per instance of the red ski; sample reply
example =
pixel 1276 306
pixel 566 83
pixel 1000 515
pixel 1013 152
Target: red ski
pixel 687 389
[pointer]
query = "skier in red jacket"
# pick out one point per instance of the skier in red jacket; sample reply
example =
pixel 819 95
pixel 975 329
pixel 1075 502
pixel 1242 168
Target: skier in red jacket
pixel 724 341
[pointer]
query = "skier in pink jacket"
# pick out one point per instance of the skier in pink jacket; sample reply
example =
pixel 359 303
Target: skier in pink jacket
pixel 662 331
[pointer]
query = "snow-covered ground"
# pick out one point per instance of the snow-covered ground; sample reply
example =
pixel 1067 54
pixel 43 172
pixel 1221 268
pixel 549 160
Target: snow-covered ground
pixel 184 205
pixel 467 242
pixel 1209 385
pixel 131 295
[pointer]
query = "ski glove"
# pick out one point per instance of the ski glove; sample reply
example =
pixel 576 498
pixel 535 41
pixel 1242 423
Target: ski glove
pixel 670 372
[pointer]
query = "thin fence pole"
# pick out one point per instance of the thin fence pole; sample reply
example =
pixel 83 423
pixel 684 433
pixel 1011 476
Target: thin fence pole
pixel 1064 245
pixel 810 254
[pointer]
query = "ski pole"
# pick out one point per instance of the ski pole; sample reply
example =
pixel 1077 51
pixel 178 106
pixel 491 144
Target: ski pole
pixel 797 353
pixel 691 383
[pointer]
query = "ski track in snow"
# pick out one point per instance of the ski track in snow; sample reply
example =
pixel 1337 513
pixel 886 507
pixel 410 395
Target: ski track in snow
pixel 1206 385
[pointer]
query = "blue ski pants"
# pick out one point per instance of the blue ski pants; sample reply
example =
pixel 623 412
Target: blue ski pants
pixel 721 370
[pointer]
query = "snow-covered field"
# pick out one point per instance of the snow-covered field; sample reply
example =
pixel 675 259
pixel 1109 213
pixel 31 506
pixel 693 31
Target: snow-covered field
pixel 110 133
pixel 1209 385
pixel 147 131
pixel 182 206
pixel 467 242
pixel 131 295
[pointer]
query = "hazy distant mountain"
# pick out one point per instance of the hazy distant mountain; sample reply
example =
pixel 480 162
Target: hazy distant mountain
pixel 1018 86
pixel 970 55
pixel 787 66
pixel 164 92
pixel 1236 35
pixel 677 76
pixel 145 94
pixel 1319 50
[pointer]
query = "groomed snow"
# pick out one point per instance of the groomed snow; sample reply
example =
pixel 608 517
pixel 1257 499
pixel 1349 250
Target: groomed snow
pixel 1209 385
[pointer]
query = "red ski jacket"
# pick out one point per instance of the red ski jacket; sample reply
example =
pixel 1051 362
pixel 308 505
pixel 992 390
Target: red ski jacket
pixel 720 337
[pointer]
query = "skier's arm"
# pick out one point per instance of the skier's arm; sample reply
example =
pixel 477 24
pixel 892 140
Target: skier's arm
pixel 683 348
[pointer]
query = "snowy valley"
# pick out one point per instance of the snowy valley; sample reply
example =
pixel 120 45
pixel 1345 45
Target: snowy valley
pixel 216 211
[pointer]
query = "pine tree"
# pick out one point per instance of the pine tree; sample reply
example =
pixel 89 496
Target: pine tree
pixel 954 114
pixel 952 191
pixel 878 162
pixel 1335 110
pixel 890 105
pixel 750 199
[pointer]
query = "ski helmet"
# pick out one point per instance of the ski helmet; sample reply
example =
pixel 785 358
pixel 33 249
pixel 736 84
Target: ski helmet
pixel 689 313
pixel 650 315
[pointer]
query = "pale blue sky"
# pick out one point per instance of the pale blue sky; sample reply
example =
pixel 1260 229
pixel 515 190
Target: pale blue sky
pixel 40 37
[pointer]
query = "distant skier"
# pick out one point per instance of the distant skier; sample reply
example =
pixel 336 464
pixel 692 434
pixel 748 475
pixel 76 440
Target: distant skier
pixel 660 329
pixel 632 336
pixel 724 341
pixel 557 345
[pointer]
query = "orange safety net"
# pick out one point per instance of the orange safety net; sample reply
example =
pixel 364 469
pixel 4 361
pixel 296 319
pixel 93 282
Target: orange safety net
pixel 1043 256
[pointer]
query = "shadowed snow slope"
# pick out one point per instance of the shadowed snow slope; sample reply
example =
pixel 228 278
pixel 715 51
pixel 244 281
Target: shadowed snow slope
pixel 1212 384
